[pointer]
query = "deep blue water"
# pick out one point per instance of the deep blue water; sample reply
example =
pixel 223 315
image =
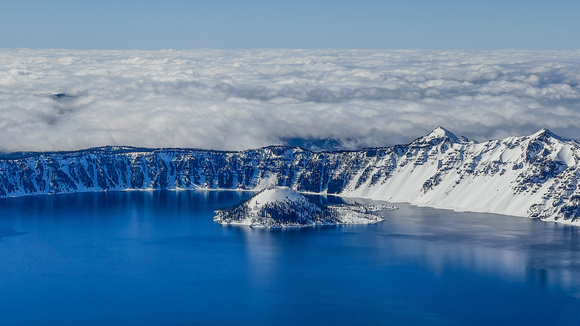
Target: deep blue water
pixel 157 258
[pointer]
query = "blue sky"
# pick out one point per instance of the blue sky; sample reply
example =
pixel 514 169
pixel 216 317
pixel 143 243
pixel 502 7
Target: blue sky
pixel 338 24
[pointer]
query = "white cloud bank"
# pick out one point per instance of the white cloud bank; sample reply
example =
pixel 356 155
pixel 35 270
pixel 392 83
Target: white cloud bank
pixel 247 99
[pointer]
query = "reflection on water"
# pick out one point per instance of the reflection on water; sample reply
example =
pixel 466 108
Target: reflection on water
pixel 153 258
pixel 518 248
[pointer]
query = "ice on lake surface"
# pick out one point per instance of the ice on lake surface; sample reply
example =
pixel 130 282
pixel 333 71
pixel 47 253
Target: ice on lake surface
pixel 158 258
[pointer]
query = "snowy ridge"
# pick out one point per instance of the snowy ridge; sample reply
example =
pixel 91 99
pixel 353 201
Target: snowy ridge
pixel 282 207
pixel 534 176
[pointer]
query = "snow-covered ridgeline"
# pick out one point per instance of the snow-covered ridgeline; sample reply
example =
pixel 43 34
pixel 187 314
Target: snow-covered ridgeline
pixel 534 175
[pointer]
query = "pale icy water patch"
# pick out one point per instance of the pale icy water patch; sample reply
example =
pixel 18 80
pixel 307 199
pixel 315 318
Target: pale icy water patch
pixel 157 258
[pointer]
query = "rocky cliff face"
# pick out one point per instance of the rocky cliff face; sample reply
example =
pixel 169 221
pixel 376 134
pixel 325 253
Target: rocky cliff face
pixel 535 176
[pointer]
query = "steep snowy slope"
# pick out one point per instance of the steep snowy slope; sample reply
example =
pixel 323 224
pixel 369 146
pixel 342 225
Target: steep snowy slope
pixel 535 176
pixel 532 176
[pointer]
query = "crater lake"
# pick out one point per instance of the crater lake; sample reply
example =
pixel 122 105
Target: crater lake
pixel 158 258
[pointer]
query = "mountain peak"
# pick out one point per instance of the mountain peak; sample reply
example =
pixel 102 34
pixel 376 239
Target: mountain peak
pixel 440 133
pixel 545 134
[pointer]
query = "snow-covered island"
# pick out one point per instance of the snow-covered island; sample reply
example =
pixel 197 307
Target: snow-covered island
pixel 282 207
